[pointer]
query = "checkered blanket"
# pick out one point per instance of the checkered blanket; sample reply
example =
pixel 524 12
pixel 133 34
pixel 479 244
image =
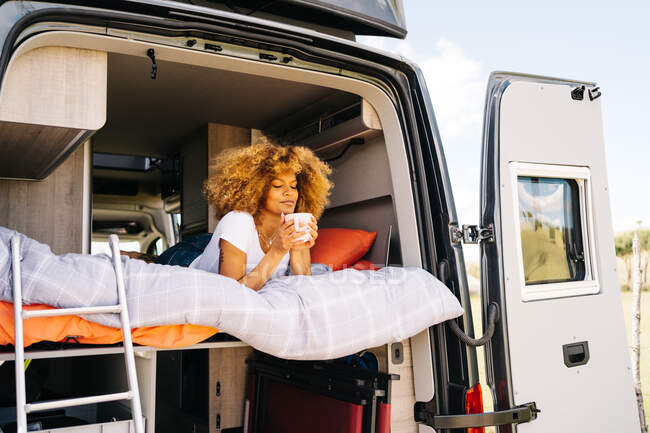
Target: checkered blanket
pixel 323 316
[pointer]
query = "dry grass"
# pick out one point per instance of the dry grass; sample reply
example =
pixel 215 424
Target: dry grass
pixel 544 255
pixel 625 277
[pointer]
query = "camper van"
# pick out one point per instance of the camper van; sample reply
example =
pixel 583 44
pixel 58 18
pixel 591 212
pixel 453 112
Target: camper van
pixel 110 113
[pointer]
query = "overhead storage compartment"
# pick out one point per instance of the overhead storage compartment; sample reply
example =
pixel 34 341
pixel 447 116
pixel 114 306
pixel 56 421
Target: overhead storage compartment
pixel 330 130
pixel 52 99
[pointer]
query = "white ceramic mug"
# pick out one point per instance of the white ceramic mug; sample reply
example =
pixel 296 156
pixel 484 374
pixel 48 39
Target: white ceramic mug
pixel 301 222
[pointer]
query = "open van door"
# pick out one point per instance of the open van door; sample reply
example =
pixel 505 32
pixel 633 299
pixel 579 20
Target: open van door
pixel 548 259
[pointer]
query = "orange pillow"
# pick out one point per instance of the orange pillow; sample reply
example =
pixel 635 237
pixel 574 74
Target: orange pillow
pixel 365 265
pixel 339 248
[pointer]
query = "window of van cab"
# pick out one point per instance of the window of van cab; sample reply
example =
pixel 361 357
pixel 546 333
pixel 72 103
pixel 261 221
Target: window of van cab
pixel 102 247
pixel 554 233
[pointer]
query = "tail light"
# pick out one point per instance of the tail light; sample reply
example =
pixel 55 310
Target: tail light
pixel 474 404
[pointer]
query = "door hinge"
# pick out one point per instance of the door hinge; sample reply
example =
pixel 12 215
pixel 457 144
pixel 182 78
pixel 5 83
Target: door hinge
pixel 517 415
pixel 470 234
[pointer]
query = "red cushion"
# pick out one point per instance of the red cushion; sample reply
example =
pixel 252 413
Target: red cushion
pixel 365 265
pixel 339 248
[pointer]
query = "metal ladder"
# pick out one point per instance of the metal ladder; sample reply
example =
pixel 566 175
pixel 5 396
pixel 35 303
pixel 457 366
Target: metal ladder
pixel 133 394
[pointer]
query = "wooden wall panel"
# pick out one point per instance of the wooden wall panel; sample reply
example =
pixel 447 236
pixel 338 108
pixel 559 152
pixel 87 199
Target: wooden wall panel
pixel 220 138
pixel 33 151
pixel 50 211
pixel 403 393
pixel 228 367
pixel 56 86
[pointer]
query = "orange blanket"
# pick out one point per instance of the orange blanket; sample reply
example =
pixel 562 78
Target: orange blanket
pixel 62 327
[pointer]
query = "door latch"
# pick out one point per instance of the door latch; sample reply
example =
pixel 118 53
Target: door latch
pixel 594 93
pixel 470 234
pixel 578 93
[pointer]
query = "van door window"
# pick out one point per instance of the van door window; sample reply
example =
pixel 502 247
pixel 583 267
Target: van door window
pixel 554 230
pixel 551 231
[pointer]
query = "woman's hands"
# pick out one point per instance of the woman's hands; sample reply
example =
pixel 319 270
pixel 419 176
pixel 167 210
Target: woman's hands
pixel 232 260
pixel 287 238
pixel 313 231
pixel 300 260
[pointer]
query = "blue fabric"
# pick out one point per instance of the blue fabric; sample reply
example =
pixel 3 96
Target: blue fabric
pixel 366 360
pixel 184 252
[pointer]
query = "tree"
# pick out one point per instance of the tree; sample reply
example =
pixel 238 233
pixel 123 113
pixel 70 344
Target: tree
pixel 623 244
pixel 636 330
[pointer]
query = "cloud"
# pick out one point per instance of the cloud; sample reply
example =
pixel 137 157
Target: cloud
pixel 457 88
pixel 549 200
pixel 455 81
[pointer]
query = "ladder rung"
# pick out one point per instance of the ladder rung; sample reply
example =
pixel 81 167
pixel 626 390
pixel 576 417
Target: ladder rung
pixel 58 404
pixel 28 314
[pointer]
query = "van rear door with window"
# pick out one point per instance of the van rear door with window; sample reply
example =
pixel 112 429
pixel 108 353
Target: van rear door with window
pixel 550 264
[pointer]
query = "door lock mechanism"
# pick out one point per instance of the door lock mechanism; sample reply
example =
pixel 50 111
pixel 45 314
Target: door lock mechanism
pixel 470 234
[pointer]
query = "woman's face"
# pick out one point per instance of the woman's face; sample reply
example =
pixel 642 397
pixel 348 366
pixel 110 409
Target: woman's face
pixel 282 194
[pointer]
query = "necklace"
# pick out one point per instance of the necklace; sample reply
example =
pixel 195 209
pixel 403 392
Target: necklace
pixel 267 241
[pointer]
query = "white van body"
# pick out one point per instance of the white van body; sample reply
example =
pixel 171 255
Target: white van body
pixel 559 343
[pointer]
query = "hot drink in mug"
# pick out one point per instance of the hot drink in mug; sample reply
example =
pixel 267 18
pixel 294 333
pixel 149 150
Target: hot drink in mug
pixel 301 222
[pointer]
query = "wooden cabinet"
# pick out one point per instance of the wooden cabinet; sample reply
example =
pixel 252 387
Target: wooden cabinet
pixel 51 101
pixel 200 390
pixel 54 211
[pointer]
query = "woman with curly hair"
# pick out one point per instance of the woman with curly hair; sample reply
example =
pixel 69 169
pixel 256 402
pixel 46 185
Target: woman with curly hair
pixel 252 190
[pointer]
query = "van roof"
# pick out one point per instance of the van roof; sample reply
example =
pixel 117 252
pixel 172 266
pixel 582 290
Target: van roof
pixel 361 17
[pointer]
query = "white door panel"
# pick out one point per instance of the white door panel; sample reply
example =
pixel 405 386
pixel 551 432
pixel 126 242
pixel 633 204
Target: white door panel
pixel 559 280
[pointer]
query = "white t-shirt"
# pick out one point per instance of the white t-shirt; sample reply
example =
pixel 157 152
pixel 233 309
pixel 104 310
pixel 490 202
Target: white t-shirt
pixel 239 229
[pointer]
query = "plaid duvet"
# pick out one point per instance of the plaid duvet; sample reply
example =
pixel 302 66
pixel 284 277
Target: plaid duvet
pixel 323 316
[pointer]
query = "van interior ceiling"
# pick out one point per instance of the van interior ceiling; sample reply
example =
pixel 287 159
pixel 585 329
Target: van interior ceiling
pixel 152 155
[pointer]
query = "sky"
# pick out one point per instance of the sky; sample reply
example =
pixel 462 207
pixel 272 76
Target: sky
pixel 458 44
